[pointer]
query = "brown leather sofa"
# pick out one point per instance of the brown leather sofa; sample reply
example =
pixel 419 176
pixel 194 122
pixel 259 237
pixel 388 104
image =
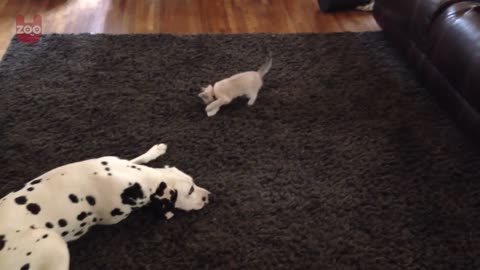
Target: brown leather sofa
pixel 441 39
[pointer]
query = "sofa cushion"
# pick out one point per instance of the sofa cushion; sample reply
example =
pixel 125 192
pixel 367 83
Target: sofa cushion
pixel 412 19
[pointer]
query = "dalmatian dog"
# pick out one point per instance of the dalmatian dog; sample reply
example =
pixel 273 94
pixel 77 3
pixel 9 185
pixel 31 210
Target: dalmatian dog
pixel 37 221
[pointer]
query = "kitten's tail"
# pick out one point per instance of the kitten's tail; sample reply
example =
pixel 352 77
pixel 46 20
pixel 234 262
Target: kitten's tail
pixel 265 68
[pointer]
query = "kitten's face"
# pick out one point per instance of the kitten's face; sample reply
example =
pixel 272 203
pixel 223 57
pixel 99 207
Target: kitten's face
pixel 207 94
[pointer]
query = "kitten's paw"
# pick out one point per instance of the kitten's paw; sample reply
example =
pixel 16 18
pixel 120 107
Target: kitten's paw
pixel 211 113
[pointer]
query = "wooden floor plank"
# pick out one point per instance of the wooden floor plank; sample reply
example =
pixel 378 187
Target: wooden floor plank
pixel 179 16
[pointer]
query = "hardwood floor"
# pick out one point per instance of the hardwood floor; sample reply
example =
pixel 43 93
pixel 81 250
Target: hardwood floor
pixel 179 16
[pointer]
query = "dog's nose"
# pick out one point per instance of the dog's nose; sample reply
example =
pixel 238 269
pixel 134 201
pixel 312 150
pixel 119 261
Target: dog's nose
pixel 206 199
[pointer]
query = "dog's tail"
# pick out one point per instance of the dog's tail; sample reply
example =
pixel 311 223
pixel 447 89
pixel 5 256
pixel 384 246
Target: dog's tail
pixel 265 68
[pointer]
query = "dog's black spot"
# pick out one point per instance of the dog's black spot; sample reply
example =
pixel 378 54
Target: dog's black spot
pixel 131 194
pixel 64 233
pixel 62 174
pixel 164 205
pixel 73 198
pixel 95 173
pixel 79 233
pixel 17 231
pixel 107 169
pixel 89 213
pixel 45 236
pixel 21 200
pixel 160 189
pixel 161 206
pixel 81 216
pixel 49 225
pixel 116 212
pixel 83 224
pixel 173 196
pixel 2 241
pixel 37 181
pixel 29 253
pixel 33 227
pixel 90 200
pixel 109 174
pixel 30 189
pixel 33 208
pixel 133 167
pixel 104 163
pixel 62 223
pixel 94 219
pixel 25 267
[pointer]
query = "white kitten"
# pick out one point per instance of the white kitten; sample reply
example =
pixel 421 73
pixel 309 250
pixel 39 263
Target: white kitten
pixel 242 84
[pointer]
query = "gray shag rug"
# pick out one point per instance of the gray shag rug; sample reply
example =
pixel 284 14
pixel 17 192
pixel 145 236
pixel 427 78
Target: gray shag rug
pixel 344 162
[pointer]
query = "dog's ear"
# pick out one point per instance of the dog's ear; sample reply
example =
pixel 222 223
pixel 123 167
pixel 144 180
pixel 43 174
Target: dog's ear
pixel 163 200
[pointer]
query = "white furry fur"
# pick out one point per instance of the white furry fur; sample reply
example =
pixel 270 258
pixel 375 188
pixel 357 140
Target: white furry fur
pixel 242 84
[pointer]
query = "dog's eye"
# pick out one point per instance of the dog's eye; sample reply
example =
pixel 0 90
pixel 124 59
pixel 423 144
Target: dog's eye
pixel 191 190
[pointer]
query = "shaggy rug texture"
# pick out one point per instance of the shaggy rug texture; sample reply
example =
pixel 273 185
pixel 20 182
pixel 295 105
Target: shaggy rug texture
pixel 344 162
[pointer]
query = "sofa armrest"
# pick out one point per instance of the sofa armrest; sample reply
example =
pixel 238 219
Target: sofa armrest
pixel 455 49
pixel 441 40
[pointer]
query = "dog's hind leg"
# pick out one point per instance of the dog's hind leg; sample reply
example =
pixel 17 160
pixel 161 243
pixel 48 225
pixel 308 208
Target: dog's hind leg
pixel 152 154
pixel 35 250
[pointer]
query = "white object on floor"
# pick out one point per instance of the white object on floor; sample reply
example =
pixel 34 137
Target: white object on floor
pixel 367 7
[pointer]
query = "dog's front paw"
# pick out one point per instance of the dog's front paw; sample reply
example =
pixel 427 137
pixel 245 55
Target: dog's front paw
pixel 161 148
pixel 158 150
